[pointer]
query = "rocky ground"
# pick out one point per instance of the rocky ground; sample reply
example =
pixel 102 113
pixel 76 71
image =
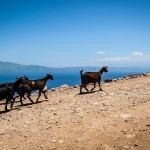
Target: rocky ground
pixel 117 118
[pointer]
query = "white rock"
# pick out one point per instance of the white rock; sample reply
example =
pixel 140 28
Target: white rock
pixel 64 86
pixel 54 141
pixel 61 141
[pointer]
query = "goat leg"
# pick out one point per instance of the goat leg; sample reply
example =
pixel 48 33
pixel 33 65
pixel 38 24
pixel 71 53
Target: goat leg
pixel 12 103
pixel 24 97
pixel 21 100
pixel 81 88
pixel 28 95
pixel 38 96
pixel 30 99
pixel 44 94
pixel 93 87
pixel 86 88
pixel 100 86
pixel 6 104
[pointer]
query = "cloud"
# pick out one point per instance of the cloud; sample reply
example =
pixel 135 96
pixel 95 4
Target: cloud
pixel 137 54
pixel 133 57
pixel 100 52
pixel 114 58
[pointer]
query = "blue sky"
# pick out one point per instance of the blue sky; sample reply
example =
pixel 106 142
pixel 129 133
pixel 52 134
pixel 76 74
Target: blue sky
pixel 69 33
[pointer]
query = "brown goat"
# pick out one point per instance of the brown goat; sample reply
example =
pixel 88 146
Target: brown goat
pixel 91 77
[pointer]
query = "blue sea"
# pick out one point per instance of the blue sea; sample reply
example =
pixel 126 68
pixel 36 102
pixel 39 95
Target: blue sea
pixel 72 78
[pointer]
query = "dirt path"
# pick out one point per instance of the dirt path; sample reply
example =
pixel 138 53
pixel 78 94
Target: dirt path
pixel 117 118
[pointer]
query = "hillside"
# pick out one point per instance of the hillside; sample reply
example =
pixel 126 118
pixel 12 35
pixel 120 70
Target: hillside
pixel 6 67
pixel 117 118
pixel 9 67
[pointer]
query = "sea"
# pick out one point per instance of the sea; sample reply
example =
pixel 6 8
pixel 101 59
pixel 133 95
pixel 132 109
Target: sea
pixel 72 78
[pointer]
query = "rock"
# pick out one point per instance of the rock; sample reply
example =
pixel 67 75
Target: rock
pixel 27 122
pixel 61 141
pixel 144 74
pixel 126 147
pixel 104 109
pixel 125 116
pixel 115 80
pixel 28 106
pixel 120 79
pixel 108 80
pixel 14 147
pixel 130 136
pixel 96 103
pixel 53 89
pixel 64 86
pixel 107 84
pixel 148 125
pixel 112 94
pixel 104 94
pixel 75 86
pixel 107 147
pixel 54 141
pixel 127 77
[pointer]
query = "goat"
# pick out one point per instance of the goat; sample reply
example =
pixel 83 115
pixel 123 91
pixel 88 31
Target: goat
pixel 6 92
pixel 39 84
pixel 22 90
pixel 91 77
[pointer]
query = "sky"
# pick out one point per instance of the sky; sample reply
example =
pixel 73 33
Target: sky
pixel 71 33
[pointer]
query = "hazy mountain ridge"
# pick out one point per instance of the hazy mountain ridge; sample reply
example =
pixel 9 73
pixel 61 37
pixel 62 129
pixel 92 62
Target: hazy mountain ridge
pixel 14 67
pixel 9 67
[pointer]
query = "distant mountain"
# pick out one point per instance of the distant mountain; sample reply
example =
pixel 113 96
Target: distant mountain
pixel 9 67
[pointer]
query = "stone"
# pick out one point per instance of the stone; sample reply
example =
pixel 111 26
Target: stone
pixel 54 141
pixel 61 141
pixel 108 80
pixel 64 86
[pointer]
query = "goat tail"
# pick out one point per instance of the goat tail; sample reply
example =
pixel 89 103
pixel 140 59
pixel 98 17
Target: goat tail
pixel 81 73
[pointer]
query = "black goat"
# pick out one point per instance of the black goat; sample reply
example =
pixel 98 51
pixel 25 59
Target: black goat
pixel 91 77
pixel 39 84
pixel 7 91
pixel 22 90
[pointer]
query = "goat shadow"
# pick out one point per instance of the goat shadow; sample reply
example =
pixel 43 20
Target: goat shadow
pixel 29 103
pixel 90 92
pixel 18 108
pixel 4 111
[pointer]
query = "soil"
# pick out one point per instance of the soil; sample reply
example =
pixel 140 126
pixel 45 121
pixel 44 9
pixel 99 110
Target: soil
pixel 117 118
